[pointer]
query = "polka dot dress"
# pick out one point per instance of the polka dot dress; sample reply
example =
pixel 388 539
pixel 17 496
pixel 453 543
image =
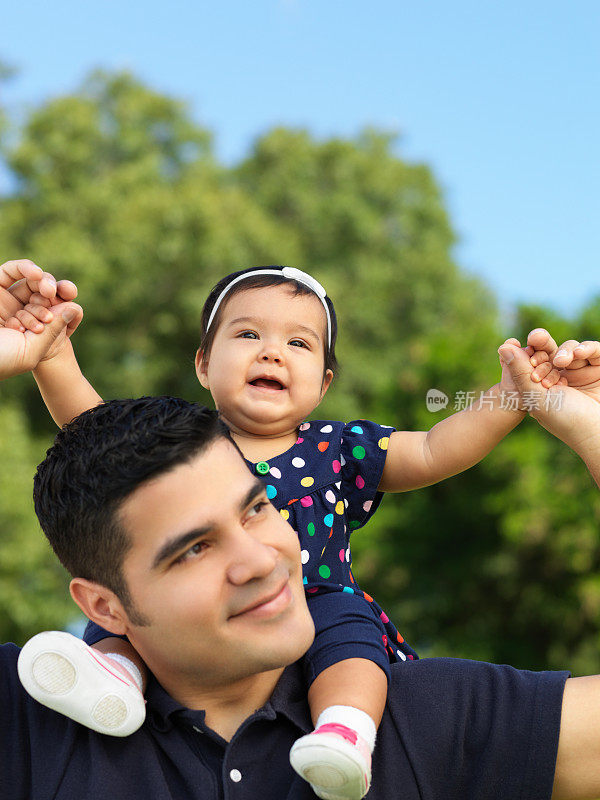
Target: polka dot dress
pixel 325 486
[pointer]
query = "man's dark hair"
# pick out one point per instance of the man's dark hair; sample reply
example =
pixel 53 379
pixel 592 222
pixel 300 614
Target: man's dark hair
pixel 97 461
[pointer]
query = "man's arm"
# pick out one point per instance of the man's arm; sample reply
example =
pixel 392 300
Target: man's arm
pixel 30 300
pixel 569 409
pixel 421 458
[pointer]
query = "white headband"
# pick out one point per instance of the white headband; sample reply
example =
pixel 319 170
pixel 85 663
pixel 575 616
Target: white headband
pixel 292 274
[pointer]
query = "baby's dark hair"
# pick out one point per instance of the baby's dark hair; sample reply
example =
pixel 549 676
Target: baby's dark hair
pixel 260 282
pixel 96 462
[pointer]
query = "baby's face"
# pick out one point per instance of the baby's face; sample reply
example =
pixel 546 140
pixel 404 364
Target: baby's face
pixel 265 370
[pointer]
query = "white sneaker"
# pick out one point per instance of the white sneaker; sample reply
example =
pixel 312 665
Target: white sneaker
pixel 63 673
pixel 335 760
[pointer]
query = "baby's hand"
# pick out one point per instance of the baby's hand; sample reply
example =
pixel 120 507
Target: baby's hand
pixel 572 363
pixel 507 383
pixel 33 301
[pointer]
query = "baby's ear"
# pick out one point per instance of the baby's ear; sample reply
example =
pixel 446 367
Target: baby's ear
pixel 202 368
pixel 326 382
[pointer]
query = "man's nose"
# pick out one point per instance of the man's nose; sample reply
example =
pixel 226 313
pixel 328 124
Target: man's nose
pixel 251 559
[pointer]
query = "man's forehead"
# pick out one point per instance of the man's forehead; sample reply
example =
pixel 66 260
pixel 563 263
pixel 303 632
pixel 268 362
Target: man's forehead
pixel 215 477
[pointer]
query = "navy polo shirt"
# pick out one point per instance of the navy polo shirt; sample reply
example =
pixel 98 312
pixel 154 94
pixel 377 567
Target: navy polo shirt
pixel 452 729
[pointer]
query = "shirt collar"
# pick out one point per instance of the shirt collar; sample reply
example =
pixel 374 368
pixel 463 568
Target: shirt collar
pixel 289 698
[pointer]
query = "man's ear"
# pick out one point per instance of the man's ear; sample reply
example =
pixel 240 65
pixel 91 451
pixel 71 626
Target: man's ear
pixel 99 604
pixel 326 382
pixel 202 368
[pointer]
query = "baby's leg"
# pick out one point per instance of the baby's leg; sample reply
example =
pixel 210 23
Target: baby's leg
pixel 354 682
pixel 125 658
pixel 99 687
pixel 346 697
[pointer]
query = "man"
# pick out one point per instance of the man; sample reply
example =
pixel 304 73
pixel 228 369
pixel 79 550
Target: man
pixel 172 541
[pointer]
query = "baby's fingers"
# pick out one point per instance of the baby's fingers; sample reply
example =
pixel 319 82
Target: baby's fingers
pixel 33 317
pixel 545 374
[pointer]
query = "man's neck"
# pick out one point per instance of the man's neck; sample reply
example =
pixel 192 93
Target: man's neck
pixel 226 707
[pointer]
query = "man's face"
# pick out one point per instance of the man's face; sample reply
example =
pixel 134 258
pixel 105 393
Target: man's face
pixel 216 572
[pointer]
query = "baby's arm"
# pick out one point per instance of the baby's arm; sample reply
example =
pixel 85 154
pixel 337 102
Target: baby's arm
pixel 421 458
pixel 64 389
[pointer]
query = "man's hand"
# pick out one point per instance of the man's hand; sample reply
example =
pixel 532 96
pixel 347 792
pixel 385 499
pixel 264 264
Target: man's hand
pixel 562 391
pixel 21 349
pixel 31 298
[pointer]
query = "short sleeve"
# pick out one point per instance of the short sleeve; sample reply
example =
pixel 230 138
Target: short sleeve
pixel 364 450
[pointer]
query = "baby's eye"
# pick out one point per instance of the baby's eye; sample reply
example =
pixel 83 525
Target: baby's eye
pixel 248 335
pixel 298 343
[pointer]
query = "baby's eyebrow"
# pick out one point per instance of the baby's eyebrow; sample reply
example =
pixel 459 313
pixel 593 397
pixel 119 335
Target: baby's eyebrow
pixel 299 327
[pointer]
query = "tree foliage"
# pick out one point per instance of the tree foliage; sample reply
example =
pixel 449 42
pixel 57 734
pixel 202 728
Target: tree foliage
pixel 118 188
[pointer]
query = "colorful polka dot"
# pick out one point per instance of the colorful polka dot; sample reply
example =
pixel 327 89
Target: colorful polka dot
pixel 276 473
pixel 384 640
pixel 271 491
pixel 354 524
pixel 304 555
pixel 328 520
pixel 360 482
pixel 384 617
pixel 313 590
pixel 400 637
pixel 298 462
pixel 358 452
pixel 307 501
pixel 336 466
pixel 348 554
pixel 401 655
pixel 323 446
pixel 349 589
pixel 305 580
pixel 356 429
pixel 324 571
pixel 330 496
pixel 367 505
pixel 305 426
pixel 368 597
pixel 339 507
pixel 342 555
pixel 342 460
pixel 311 528
pixel 326 429
pixel 383 443
pixel 285 513
pixel 299 440
pixel 308 481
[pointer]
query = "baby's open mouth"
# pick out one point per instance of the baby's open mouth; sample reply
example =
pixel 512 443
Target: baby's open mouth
pixel 267 383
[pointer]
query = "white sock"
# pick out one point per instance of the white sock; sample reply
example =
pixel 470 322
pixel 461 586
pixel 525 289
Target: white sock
pixel 131 668
pixel 353 718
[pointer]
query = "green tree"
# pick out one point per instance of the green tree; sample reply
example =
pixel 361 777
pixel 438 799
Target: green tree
pixel 117 187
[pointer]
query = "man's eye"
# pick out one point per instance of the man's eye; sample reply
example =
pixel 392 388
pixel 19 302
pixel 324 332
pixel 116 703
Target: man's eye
pixel 257 507
pixel 192 551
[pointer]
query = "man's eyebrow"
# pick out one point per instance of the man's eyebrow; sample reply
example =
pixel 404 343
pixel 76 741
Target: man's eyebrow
pixel 178 542
pixel 251 320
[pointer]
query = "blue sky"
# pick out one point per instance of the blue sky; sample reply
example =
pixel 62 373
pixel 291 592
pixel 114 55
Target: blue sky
pixel 500 99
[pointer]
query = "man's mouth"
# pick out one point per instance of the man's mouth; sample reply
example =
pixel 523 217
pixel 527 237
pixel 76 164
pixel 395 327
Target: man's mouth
pixel 267 606
pixel 267 383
